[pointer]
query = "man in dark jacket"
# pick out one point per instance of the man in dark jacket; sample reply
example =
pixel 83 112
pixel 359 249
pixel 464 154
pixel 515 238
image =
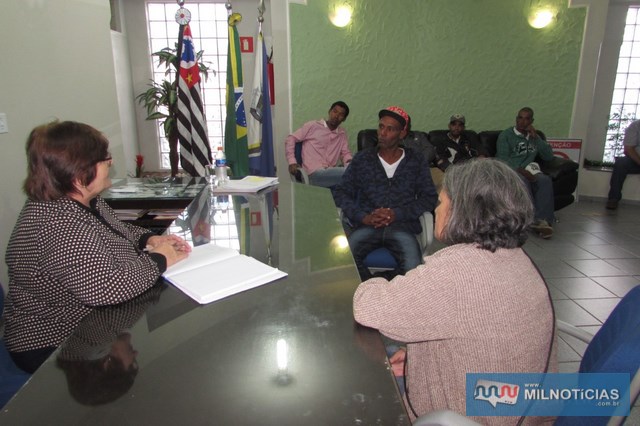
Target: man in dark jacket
pixel 384 192
pixel 457 147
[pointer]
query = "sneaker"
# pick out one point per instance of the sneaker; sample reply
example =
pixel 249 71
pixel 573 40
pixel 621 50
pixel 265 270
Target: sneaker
pixel 543 229
pixel 612 205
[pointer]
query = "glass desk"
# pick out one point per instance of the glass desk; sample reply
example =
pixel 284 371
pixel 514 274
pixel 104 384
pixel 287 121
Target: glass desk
pixel 152 203
pixel 285 353
pixel 153 193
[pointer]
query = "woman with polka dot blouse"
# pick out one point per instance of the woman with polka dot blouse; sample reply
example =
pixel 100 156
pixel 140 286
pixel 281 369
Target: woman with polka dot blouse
pixel 68 251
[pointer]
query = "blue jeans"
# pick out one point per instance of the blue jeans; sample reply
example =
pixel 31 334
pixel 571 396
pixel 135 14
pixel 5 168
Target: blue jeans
pixel 541 192
pixel 624 166
pixel 403 246
pixel 326 178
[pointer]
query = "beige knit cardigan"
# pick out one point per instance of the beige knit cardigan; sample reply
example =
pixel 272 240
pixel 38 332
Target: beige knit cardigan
pixel 465 310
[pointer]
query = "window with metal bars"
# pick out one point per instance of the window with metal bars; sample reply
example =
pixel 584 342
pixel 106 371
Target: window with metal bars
pixel 625 103
pixel 210 34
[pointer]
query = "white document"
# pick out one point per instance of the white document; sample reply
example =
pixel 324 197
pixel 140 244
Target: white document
pixel 212 273
pixel 247 185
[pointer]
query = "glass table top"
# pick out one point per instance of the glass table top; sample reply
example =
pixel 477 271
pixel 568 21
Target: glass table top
pixel 288 352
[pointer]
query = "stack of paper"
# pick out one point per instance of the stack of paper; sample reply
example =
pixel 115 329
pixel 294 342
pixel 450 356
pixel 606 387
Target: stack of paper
pixel 211 273
pixel 130 214
pixel 164 214
pixel 248 184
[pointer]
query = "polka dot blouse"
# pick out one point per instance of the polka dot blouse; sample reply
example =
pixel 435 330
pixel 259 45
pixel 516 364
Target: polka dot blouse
pixel 64 258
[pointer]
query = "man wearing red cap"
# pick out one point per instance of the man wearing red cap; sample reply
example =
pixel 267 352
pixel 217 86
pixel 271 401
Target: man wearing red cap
pixel 383 193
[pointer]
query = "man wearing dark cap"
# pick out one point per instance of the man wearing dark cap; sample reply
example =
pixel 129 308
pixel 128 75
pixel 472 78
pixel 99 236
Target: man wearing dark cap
pixel 383 193
pixel 457 147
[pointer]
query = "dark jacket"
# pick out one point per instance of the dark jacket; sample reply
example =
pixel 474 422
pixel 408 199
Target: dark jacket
pixel 365 187
pixel 451 152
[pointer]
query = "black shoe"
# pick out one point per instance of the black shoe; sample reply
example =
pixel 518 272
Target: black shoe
pixel 612 205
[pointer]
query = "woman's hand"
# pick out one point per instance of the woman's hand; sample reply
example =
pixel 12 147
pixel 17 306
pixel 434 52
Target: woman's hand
pixel 170 252
pixel 397 361
pixel 178 243
pixel 172 247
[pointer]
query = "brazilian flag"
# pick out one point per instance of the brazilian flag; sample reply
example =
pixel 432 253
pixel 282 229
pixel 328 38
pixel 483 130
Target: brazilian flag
pixel 235 129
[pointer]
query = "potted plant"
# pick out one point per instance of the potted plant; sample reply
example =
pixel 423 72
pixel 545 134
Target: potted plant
pixel 161 99
pixel 618 123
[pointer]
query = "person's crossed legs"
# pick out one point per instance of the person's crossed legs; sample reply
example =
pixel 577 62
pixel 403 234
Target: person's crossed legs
pixel 327 178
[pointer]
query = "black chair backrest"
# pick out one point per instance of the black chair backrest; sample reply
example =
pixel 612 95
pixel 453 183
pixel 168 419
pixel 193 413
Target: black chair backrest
pixel 489 141
pixel 416 140
pixel 420 142
pixel 367 138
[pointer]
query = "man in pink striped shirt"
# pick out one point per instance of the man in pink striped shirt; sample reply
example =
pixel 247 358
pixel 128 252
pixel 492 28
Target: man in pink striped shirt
pixel 324 142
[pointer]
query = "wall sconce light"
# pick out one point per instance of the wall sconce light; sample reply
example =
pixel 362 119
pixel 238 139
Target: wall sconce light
pixel 541 18
pixel 341 15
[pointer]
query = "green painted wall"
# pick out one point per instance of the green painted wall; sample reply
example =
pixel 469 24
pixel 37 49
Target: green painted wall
pixel 479 58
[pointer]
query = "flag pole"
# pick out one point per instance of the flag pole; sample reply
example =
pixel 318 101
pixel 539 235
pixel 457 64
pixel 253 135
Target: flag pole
pixel 235 133
pixel 261 10
pixel 195 152
pixel 174 144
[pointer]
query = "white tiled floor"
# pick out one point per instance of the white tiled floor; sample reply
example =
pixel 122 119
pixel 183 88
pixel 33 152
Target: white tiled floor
pixel 591 262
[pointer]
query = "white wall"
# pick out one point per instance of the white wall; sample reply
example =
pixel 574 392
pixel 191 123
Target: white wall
pixel 604 29
pixel 57 63
pixel 594 184
pixel 126 104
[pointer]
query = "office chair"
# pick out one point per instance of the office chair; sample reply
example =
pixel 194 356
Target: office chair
pixel 301 176
pixel 615 348
pixel 11 377
pixel 381 259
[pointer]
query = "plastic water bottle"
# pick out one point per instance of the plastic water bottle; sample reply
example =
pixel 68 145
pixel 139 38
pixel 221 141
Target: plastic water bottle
pixel 222 203
pixel 221 167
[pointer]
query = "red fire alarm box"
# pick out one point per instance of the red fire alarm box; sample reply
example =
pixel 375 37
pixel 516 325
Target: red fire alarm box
pixel 246 44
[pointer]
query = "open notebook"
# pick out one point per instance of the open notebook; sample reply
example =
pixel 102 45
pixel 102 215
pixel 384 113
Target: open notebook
pixel 212 273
